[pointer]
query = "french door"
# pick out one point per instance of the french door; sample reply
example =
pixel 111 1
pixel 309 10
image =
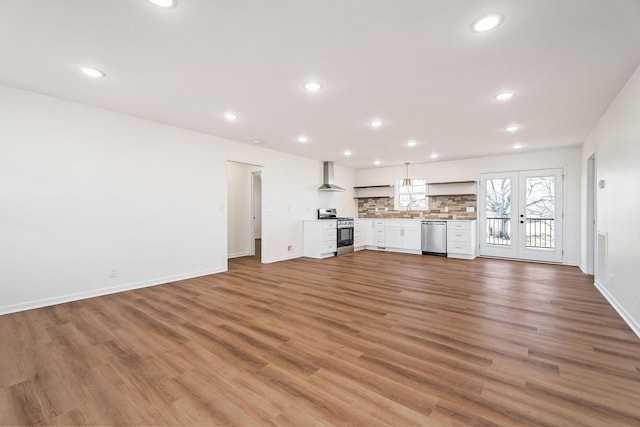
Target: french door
pixel 520 215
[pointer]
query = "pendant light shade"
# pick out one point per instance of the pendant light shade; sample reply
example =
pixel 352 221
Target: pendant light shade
pixel 407 181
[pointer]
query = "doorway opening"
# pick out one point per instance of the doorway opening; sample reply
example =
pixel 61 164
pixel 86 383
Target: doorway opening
pixel 521 215
pixel 244 213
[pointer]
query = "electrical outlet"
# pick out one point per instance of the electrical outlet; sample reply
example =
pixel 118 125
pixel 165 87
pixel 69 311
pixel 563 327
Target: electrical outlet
pixel 611 281
pixel 289 248
pixel 113 272
pixel 470 209
pixel 446 208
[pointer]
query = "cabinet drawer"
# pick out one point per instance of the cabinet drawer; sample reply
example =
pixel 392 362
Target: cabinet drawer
pixel 456 235
pixel 459 248
pixel 330 235
pixel 328 225
pixel 458 225
pixel 329 247
pixel 379 223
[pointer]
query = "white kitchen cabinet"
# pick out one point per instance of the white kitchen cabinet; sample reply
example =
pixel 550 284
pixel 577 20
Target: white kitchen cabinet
pixel 412 236
pixel 461 239
pixel 379 233
pixel 358 234
pixel 403 235
pixel 393 234
pixel 369 232
pixel 320 238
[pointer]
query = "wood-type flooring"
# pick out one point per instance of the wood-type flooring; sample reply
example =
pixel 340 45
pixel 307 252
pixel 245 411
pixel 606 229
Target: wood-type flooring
pixel 368 339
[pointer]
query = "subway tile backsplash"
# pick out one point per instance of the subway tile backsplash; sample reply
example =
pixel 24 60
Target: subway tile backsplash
pixel 457 208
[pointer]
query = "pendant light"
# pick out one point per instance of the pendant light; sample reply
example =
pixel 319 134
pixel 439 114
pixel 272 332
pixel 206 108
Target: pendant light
pixel 407 181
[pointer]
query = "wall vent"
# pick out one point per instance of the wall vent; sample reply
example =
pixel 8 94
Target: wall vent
pixel 601 262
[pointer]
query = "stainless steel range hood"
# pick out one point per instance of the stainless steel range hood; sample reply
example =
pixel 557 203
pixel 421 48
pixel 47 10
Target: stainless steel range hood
pixel 328 184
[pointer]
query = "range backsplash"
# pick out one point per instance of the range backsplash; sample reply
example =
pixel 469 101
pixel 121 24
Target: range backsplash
pixel 457 208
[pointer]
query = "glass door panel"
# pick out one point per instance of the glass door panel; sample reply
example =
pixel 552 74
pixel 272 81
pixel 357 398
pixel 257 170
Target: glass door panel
pixel 496 215
pixel 521 215
pixel 541 218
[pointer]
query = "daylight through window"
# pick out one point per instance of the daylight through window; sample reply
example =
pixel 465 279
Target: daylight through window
pixel 412 197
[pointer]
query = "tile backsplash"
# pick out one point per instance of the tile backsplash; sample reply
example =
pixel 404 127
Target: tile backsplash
pixel 457 206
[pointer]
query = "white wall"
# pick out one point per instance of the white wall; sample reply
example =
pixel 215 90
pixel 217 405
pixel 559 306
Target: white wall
pixel 470 169
pixel 239 199
pixel 616 144
pixel 83 191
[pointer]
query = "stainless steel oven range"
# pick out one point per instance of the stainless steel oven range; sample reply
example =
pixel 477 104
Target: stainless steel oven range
pixel 345 230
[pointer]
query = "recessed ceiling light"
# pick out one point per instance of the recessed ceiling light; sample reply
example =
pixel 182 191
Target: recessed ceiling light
pixel 504 96
pixel 486 22
pixel 92 72
pixel 513 128
pixel 313 86
pixel 230 116
pixel 164 3
pixel 257 141
pixel 434 156
pixel 377 163
pixel 517 146
pixel 302 139
pixel 347 153
pixel 411 143
pixel 376 123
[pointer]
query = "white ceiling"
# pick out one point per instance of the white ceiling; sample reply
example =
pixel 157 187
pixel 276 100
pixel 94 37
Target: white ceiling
pixel 414 64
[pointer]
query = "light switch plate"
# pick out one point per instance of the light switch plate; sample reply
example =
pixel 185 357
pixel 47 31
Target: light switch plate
pixel 470 209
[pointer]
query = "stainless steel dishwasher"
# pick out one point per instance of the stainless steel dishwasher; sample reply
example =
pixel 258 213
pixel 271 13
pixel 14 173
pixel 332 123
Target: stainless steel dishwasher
pixel 434 238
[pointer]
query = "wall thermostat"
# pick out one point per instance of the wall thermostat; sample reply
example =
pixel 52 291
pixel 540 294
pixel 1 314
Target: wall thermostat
pixel 601 183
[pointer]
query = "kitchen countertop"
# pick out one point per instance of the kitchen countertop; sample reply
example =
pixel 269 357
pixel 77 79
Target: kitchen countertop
pixel 417 219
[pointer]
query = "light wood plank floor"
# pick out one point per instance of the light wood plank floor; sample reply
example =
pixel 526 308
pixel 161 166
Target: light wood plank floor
pixel 367 339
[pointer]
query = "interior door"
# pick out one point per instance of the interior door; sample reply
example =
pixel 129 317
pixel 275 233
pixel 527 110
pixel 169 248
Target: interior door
pixel 521 215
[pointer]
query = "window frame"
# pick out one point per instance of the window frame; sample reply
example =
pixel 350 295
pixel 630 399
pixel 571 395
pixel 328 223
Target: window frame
pixel 399 192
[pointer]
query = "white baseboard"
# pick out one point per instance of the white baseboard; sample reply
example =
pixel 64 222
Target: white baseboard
pixel 29 305
pixel 238 255
pixel 284 258
pixel 584 270
pixel 629 320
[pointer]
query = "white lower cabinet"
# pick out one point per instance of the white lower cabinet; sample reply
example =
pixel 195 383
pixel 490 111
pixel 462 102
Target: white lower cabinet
pixel 402 235
pixel 461 239
pixel 413 237
pixel 405 235
pixel 358 234
pixel 378 233
pixel 320 238
pixel 369 232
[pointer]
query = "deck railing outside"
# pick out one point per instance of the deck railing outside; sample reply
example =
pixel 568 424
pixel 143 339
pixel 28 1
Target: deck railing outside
pixel 539 232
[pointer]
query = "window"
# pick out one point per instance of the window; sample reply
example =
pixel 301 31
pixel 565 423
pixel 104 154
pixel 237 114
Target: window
pixel 413 197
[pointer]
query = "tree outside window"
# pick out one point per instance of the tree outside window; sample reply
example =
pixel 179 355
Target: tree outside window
pixel 539 211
